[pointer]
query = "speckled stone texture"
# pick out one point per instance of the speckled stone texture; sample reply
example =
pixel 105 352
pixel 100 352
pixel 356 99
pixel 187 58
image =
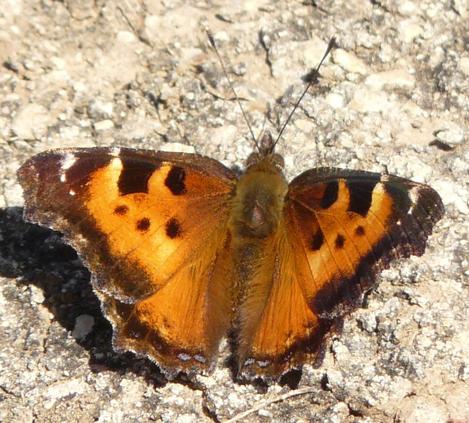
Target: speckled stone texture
pixel 140 73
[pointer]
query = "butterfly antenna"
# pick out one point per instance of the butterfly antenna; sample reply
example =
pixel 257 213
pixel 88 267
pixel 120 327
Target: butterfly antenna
pixel 212 43
pixel 312 79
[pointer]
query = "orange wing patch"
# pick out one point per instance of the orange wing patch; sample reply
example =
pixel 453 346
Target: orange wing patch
pixel 176 324
pixel 161 228
pixel 334 237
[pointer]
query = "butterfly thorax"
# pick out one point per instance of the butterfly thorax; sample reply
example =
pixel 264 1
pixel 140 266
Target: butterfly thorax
pixel 259 199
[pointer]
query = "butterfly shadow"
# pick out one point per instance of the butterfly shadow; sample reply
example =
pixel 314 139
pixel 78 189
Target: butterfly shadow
pixel 38 256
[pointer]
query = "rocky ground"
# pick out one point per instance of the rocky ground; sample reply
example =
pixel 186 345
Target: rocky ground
pixel 140 73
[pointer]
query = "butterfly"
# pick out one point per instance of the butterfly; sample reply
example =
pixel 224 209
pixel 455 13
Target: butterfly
pixel 184 252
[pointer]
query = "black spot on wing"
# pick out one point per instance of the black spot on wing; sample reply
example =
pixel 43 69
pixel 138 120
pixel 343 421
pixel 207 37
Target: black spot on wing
pixel 330 194
pixel 360 196
pixel 143 224
pixel 360 231
pixel 173 228
pixel 121 210
pixel 339 241
pixel 175 180
pixel 317 241
pixel 135 175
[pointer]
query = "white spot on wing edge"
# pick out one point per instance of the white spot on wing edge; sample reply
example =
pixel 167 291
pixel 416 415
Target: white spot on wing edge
pixel 384 177
pixel 67 162
pixel 115 151
pixel 414 195
pixel 184 357
pixel 199 358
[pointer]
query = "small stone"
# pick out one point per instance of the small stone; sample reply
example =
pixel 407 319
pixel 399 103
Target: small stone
pixel 37 296
pixel 409 30
pixel 368 101
pixel 166 92
pixel 103 125
pixel 335 379
pixel 452 194
pixel 221 37
pixel 31 122
pixel 99 109
pixel 187 418
pixel 349 62
pixel 265 413
pixel 12 195
pixel 397 78
pixel 464 65
pixel 83 326
pixel 423 410
pixel 335 100
pixel 368 322
pixel 239 69
pixel 126 37
pixel 64 389
pixel 407 8
pixel 461 7
pixel 452 134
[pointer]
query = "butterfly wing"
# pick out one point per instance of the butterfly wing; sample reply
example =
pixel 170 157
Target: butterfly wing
pixel 340 229
pixel 151 226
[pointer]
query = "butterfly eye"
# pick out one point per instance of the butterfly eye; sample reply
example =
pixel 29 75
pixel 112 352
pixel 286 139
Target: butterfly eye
pixel 278 161
pixel 253 159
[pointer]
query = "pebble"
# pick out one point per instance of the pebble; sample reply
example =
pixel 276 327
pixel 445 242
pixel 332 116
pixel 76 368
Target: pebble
pixel 177 147
pixel 408 30
pixel 31 122
pixel 99 109
pixel 349 62
pixel 397 78
pixel 83 326
pixel 103 125
pixel 464 65
pixel 452 134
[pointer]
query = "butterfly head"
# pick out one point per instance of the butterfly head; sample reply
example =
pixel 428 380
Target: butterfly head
pixel 265 154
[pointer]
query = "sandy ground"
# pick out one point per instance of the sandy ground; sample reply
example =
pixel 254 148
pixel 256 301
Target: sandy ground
pixel 141 74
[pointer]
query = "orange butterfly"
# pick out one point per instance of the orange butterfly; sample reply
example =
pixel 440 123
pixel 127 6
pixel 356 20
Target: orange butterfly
pixel 183 252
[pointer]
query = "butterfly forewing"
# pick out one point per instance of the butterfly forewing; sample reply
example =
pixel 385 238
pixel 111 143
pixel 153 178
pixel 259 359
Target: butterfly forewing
pixel 152 228
pixel 359 221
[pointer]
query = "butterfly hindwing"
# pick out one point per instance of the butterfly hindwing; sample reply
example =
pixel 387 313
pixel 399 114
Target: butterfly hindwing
pixel 340 229
pixel 151 227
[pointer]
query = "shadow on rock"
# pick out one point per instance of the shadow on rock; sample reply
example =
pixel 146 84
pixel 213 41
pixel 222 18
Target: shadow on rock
pixel 38 256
